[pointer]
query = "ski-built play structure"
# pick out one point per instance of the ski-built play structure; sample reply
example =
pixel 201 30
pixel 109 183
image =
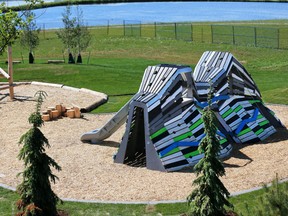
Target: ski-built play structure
pixel 163 120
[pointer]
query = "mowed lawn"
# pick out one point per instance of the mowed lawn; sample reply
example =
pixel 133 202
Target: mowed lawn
pixel 114 64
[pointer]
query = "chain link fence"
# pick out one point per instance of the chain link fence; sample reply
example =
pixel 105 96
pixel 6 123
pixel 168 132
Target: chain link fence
pixel 249 36
pixel 276 38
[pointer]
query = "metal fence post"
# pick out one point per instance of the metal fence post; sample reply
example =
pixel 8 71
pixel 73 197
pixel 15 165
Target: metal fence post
pixel 233 35
pixel 108 26
pixel 140 29
pixel 191 31
pixel 155 29
pixel 255 37
pixel 212 34
pixel 175 30
pixel 44 30
pixel 124 27
pixel 278 38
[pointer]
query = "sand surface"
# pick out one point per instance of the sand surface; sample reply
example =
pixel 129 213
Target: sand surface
pixel 88 171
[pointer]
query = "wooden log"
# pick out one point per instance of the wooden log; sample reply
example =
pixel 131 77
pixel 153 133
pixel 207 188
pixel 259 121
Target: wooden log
pixel 59 108
pixel 70 113
pixel 49 111
pixel 45 117
pixel 63 109
pixel 14 62
pixel 4 87
pixel 4 74
pixel 65 113
pixel 55 114
pixel 77 112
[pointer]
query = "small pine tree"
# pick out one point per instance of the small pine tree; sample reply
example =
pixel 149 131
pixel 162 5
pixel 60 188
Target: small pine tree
pixel 210 195
pixel 36 195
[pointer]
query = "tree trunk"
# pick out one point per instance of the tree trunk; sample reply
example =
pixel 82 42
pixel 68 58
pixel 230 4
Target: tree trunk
pixel 10 72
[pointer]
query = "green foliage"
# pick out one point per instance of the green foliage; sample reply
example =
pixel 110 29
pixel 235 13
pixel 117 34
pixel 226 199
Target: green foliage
pixel 36 195
pixel 210 195
pixel 75 35
pixel 81 31
pixel 274 201
pixel 40 95
pixel 67 34
pixel 30 32
pixel 11 24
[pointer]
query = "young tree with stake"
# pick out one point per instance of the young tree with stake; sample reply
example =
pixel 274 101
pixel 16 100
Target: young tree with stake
pixel 82 33
pixel 75 35
pixel 30 36
pixel 67 34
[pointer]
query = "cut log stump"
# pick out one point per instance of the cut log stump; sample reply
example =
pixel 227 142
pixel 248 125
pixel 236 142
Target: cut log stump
pixel 59 110
pixel 77 112
pixel 45 117
pixel 55 114
pixel 70 113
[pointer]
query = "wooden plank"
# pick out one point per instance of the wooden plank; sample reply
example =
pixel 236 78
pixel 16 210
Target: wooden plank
pixel 4 74
pixel 55 61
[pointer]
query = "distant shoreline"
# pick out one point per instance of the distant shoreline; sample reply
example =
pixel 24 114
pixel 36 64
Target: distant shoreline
pixel 85 2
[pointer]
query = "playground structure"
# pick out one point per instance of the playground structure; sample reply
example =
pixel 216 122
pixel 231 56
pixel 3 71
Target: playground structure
pixel 163 119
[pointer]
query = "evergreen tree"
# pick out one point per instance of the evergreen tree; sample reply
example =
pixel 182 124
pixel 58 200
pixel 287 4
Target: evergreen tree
pixel 210 195
pixel 36 195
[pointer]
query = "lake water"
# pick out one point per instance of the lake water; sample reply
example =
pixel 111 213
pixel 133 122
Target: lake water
pixel 167 12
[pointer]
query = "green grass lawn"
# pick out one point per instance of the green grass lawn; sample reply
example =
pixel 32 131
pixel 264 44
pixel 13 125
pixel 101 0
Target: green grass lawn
pixel 116 64
pixel 244 205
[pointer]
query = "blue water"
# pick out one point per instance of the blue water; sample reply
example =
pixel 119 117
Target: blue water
pixel 168 12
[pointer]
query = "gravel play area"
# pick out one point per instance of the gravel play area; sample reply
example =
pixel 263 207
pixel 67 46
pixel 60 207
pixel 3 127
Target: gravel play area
pixel 88 171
